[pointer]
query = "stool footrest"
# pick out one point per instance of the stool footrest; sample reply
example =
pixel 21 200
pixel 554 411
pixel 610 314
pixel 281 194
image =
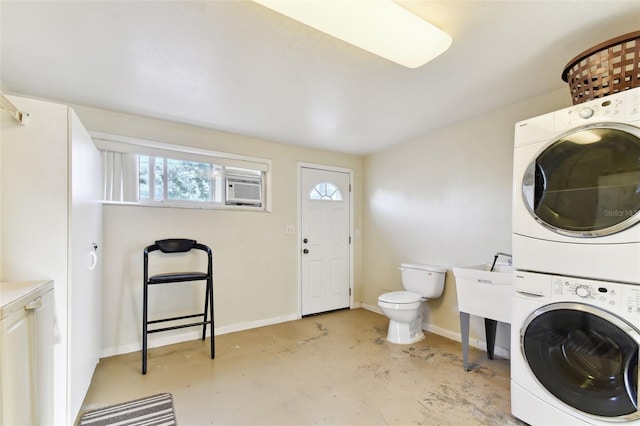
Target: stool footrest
pixel 175 327
pixel 175 318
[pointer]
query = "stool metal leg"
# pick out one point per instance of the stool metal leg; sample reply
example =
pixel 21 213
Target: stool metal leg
pixel 144 329
pixel 206 311
pixel 213 340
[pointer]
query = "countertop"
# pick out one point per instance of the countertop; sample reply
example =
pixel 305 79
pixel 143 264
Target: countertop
pixel 15 294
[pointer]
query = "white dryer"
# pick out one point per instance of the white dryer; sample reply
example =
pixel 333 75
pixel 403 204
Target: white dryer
pixel 574 351
pixel 576 201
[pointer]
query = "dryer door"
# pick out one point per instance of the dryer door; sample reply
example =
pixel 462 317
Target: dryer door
pixel 585 357
pixel 587 182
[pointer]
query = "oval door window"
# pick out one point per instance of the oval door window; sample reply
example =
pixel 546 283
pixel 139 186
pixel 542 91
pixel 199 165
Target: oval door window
pixel 587 182
pixel 585 357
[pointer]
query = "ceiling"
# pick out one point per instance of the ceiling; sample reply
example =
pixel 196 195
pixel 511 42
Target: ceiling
pixel 238 67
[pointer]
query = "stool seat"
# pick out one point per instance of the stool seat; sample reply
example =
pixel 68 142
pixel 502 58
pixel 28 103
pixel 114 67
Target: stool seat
pixel 205 317
pixel 174 277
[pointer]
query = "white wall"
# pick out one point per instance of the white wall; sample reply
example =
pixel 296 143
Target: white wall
pixel 255 262
pixel 444 199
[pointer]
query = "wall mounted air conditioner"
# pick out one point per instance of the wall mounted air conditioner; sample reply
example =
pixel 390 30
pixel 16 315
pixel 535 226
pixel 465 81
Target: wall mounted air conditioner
pixel 243 191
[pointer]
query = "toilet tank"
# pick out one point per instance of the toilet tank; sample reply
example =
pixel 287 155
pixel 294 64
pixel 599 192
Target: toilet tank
pixel 426 280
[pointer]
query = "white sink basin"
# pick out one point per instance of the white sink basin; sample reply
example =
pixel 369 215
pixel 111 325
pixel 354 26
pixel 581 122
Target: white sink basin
pixel 483 292
pixel 501 275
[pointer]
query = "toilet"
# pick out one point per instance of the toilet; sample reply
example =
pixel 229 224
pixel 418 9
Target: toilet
pixel 404 308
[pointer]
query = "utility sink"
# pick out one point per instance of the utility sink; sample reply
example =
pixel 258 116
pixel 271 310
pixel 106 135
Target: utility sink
pixel 483 292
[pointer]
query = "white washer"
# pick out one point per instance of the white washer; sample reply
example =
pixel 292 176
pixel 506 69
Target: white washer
pixel 574 351
pixel 576 200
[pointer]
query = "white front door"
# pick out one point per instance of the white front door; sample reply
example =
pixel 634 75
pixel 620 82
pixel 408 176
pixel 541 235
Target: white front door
pixel 325 240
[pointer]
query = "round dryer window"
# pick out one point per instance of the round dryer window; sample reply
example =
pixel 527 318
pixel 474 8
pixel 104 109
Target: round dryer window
pixel 586 183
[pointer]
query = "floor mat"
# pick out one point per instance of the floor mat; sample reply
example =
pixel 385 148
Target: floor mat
pixel 155 410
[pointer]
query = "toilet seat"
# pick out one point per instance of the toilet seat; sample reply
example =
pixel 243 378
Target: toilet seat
pixel 400 297
pixel 400 300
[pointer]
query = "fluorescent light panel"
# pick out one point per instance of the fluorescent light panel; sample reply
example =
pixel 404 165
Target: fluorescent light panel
pixel 377 26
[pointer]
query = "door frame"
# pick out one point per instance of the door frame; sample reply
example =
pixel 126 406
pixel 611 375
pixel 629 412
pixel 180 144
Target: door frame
pixel 300 166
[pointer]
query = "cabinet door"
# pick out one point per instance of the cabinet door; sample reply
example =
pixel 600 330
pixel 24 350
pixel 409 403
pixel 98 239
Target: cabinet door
pixel 16 369
pixel 85 311
pixel 43 339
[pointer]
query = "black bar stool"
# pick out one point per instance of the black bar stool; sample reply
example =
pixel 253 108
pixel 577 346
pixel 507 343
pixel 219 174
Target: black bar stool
pixel 178 245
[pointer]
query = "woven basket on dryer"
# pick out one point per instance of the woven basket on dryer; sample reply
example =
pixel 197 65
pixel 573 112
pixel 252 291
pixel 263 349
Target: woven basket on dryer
pixel 610 67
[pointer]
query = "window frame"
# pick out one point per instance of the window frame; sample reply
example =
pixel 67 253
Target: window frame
pixel 260 167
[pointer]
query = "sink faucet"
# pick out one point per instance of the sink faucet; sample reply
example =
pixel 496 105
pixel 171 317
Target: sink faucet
pixel 498 254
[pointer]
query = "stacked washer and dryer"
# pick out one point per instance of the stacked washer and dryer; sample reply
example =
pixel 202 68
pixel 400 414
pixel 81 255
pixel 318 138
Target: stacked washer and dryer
pixel 575 326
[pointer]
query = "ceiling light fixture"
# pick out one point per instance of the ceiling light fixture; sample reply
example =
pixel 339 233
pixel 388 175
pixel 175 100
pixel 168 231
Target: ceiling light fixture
pixel 379 26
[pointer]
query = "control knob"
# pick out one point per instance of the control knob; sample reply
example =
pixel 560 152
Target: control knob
pixel 583 291
pixel 586 113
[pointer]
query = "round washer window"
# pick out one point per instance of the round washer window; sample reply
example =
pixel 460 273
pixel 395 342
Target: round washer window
pixel 585 357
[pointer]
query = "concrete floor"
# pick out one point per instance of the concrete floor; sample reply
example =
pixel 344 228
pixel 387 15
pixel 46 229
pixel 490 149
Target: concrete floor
pixel 331 369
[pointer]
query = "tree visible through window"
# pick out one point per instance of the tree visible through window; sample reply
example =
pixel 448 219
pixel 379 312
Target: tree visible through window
pixel 325 191
pixel 169 179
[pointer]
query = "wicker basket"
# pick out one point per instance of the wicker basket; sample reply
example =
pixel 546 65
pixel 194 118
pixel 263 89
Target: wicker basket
pixel 610 67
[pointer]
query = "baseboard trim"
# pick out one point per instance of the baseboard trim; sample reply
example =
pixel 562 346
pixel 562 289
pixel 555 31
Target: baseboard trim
pixel 475 343
pixel 193 334
pixel 372 308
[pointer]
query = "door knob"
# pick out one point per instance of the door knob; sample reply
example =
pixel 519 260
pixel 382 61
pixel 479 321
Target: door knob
pixel 306 240
pixel 305 251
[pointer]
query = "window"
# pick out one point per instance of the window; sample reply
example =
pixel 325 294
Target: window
pixel 153 173
pixel 325 191
pixel 170 179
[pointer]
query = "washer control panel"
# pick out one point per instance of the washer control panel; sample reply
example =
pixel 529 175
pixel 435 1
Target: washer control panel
pixel 621 299
pixel 587 291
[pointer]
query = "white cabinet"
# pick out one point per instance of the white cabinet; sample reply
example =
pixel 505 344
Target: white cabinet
pixel 26 353
pixel 50 220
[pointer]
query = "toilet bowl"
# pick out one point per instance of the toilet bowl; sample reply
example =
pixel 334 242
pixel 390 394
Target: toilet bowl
pixel 405 308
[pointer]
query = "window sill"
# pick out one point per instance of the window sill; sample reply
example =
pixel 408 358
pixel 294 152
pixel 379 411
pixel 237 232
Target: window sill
pixel 188 206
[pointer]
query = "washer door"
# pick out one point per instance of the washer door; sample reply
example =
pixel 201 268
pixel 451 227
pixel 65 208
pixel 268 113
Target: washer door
pixel 585 357
pixel 587 182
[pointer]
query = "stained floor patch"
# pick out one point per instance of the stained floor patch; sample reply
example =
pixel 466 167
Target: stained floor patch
pixel 333 369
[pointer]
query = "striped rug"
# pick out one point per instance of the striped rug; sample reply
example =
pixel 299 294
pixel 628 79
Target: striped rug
pixel 155 410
